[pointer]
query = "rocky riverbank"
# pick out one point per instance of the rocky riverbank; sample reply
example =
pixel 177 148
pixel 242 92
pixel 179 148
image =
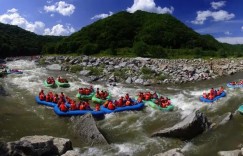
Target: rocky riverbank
pixel 143 71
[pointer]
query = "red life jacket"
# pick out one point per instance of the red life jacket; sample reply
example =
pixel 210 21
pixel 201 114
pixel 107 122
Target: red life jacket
pixel 63 108
pixel 111 106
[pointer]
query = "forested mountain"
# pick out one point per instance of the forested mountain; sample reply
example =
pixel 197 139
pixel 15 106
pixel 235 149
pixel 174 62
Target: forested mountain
pixel 15 41
pixel 141 34
pixel 138 34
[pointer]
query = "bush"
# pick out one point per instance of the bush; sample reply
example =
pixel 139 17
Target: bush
pixel 146 71
pixel 95 70
pixel 121 73
pixel 75 68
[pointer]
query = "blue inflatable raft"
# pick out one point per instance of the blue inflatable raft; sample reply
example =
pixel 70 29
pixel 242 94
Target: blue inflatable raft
pixel 234 86
pixel 14 72
pixel 50 104
pixel 135 107
pixel 97 114
pixel 223 94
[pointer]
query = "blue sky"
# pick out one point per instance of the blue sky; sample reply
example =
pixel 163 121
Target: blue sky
pixel 222 19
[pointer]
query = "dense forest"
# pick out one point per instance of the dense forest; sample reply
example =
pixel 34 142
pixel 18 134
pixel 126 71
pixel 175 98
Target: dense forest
pixel 15 41
pixel 124 34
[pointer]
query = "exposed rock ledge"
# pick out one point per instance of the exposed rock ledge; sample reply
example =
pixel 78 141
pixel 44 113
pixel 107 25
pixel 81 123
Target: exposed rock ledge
pixel 193 125
pixel 36 146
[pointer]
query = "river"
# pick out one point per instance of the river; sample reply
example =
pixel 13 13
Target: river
pixel 128 132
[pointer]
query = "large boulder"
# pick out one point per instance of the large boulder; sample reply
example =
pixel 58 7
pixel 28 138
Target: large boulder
pixel 54 67
pixel 193 125
pixel 36 146
pixel 86 128
pixel 172 152
pixel 3 148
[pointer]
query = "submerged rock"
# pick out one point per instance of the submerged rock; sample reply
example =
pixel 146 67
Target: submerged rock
pixel 172 152
pixel 86 128
pixel 193 125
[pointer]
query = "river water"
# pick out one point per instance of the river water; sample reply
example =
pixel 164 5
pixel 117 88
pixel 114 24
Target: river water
pixel 128 132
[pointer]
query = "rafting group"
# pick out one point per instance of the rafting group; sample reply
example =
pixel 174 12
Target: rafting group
pixel 5 70
pixel 86 91
pixel 235 84
pixel 65 106
pixel 61 82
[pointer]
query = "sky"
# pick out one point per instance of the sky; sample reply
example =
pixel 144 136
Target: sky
pixel 221 19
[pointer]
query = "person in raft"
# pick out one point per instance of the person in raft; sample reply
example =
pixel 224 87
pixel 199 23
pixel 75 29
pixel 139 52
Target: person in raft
pixel 233 83
pixel 213 93
pixel 62 96
pixel 120 102
pixel 108 104
pixel 55 98
pixel 62 80
pixel 101 94
pixel 42 96
pixel 73 105
pixel 97 107
pixel 63 107
pixel 155 95
pixel 162 102
pixel 50 80
pixel 147 96
pixel 85 91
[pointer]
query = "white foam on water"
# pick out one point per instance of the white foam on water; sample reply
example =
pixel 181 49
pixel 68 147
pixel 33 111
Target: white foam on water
pixel 30 79
pixel 187 147
pixel 93 151
pixel 128 148
pixel 21 64
pixel 122 124
pixel 187 102
pixel 109 116
pixel 175 89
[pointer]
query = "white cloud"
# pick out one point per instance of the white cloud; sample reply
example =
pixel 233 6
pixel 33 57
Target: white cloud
pixel 149 6
pixel 242 28
pixel 102 16
pixel 231 40
pixel 13 17
pixel 52 15
pixel 227 33
pixel 49 1
pixel 220 15
pixel 59 30
pixel 217 5
pixel 61 7
pixel 13 10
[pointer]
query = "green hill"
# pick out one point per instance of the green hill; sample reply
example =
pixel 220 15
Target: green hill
pixel 15 41
pixel 139 34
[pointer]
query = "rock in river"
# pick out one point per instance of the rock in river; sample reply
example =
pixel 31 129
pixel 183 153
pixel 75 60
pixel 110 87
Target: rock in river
pixel 86 128
pixel 36 146
pixel 193 125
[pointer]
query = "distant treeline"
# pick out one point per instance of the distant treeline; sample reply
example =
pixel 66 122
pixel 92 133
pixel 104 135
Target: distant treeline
pixel 15 41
